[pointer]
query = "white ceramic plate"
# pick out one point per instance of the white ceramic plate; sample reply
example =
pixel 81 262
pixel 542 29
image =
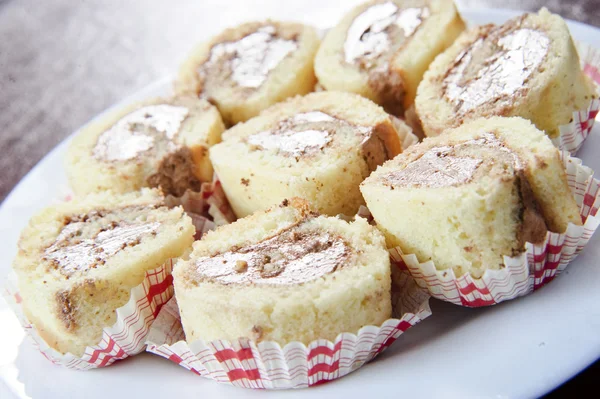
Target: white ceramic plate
pixel 520 348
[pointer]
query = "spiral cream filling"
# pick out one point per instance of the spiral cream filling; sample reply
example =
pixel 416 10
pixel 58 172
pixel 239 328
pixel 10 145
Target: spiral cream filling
pixel 294 256
pixel 88 241
pixel 250 59
pixel 447 166
pixel 495 68
pixel 379 29
pixel 308 133
pixel 450 166
pixel 141 131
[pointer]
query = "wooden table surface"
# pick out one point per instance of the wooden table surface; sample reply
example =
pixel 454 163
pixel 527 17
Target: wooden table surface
pixel 64 61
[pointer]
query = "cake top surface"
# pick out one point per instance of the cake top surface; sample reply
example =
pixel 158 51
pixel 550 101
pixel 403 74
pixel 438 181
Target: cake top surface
pixel 381 29
pixel 454 164
pixel 306 133
pixel 87 240
pixel 316 126
pixel 150 129
pixel 295 255
pixel 497 64
pixel 295 136
pixel 285 245
pixel 479 161
pixel 246 62
pixel 155 142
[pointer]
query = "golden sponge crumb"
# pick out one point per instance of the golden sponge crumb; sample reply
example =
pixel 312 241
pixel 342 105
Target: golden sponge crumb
pixel 473 195
pixel 157 143
pixel 318 147
pixel 381 49
pixel 527 67
pixel 250 67
pixel 78 261
pixel 285 274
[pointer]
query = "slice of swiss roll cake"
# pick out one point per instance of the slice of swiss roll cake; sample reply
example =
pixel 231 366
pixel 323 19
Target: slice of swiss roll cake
pixel 318 147
pixel 382 48
pixel 471 196
pixel 247 68
pixel 157 143
pixel 284 274
pixel 527 67
pixel 79 260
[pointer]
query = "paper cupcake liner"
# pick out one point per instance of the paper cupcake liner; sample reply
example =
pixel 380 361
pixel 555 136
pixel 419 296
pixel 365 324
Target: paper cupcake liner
pixel 127 337
pixel 522 274
pixel 573 134
pixel 208 208
pixel 405 132
pixel 267 365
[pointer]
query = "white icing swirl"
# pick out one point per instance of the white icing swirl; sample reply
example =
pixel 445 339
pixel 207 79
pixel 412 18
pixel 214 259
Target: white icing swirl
pixel 368 36
pixel 501 74
pixel 445 166
pixel 252 57
pixel 302 134
pixel 130 137
pixel 73 254
pixel 286 259
pixel 295 142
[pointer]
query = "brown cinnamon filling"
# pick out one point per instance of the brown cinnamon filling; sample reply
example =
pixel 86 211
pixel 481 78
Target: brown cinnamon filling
pixel 86 241
pixel 533 226
pixel 175 174
pixel 66 308
pixel 374 37
pixel 389 85
pixel 148 136
pixel 496 67
pixel 294 256
pixel 247 62
pixel 375 147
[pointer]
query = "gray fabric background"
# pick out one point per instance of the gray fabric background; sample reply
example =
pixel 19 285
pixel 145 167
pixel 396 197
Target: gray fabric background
pixel 63 61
